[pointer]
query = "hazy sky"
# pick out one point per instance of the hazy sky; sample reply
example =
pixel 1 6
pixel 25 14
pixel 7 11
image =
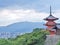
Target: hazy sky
pixel 12 11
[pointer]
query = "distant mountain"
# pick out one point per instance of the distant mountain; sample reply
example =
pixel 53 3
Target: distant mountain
pixel 22 27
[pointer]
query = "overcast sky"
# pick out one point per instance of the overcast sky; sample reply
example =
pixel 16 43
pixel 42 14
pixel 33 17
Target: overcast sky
pixel 12 11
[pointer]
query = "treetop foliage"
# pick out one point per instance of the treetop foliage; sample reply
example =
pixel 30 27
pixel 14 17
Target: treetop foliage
pixel 37 37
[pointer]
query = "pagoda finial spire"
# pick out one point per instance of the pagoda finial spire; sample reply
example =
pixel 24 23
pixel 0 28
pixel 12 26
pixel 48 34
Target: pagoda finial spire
pixel 50 11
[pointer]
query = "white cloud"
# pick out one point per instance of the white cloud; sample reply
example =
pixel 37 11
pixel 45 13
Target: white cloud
pixel 9 16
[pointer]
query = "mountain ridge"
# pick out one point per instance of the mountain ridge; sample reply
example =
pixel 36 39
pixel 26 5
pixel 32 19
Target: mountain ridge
pixel 22 27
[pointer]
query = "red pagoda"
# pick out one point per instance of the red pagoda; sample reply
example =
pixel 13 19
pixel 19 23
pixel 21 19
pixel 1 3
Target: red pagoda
pixel 51 24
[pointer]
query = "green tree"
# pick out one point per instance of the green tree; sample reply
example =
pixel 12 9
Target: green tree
pixel 37 37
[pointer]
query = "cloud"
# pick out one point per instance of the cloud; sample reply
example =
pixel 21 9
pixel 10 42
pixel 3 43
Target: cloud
pixel 9 16
pixel 12 11
pixel 39 5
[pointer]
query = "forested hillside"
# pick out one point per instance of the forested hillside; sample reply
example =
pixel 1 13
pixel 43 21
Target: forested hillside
pixel 58 43
pixel 37 37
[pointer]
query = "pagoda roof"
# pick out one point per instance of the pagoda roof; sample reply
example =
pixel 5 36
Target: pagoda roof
pixel 51 17
pixel 57 26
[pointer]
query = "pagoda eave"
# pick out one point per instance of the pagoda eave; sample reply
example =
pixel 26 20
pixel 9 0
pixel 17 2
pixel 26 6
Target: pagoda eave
pixel 51 19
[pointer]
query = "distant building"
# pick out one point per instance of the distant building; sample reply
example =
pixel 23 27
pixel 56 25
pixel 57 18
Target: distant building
pixel 52 27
